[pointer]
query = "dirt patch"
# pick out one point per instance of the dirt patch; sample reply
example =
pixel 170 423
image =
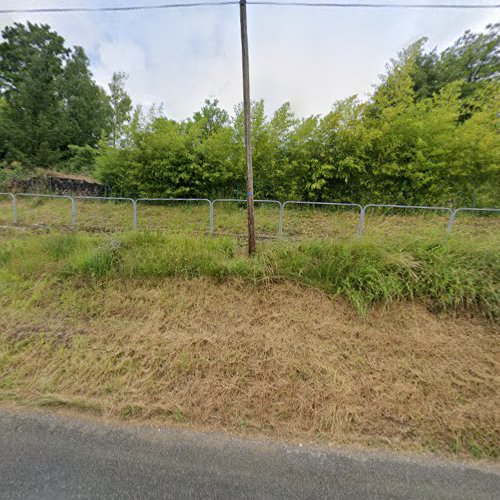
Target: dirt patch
pixel 276 359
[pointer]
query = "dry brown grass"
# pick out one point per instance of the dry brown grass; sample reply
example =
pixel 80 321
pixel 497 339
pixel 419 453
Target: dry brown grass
pixel 274 359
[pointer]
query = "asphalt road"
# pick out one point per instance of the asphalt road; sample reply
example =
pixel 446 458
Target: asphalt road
pixel 49 456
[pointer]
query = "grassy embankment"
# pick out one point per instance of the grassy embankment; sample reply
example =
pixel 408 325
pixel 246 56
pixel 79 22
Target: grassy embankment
pixel 351 342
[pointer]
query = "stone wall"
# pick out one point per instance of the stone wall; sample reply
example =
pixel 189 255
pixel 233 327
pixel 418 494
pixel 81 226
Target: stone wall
pixel 58 185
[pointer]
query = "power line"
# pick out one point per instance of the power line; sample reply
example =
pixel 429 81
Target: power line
pixel 351 5
pixel 41 10
pixel 363 5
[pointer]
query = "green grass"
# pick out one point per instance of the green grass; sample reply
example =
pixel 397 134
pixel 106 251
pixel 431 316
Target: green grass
pixel 447 273
pixel 171 328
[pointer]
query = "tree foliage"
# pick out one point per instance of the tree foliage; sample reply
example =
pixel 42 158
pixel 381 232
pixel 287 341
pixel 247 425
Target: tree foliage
pixel 427 135
pixel 121 107
pixel 49 99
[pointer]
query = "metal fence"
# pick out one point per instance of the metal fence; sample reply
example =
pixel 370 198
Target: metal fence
pixel 316 203
pixel 402 207
pixel 136 203
pixel 236 200
pixel 111 199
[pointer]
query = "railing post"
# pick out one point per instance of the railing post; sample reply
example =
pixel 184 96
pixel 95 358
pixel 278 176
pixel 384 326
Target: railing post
pixel 282 209
pixel 14 209
pixel 451 220
pixel 134 205
pixel 361 222
pixel 73 211
pixel 211 216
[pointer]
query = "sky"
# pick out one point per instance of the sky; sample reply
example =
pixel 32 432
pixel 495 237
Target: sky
pixel 310 57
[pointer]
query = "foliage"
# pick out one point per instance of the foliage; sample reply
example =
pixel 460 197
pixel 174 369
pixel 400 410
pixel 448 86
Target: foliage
pixel 121 106
pixel 474 58
pixel 427 135
pixel 82 159
pixel 49 99
pixel 446 273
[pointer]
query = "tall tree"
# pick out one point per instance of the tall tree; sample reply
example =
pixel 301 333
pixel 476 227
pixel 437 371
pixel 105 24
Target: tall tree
pixel 31 62
pixel 50 98
pixel 121 105
pixel 473 58
pixel 87 109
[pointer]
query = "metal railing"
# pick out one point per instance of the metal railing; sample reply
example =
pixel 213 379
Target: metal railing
pixel 454 214
pixel 113 198
pixel 53 196
pixel 404 207
pixel 320 203
pixel 236 200
pixel 203 200
pixel 135 206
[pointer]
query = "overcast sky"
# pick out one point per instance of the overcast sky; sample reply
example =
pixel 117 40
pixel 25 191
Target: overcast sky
pixel 310 57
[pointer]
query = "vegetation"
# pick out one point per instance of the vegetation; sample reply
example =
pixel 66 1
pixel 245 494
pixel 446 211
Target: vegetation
pixel 389 340
pixel 144 326
pixel 446 273
pixel 427 135
pixel 51 110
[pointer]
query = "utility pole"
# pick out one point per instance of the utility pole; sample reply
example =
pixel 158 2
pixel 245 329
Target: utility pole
pixel 248 126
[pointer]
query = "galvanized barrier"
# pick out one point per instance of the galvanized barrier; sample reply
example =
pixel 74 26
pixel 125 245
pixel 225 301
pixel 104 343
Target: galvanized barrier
pixel 14 206
pixel 56 196
pixel 235 200
pixel 111 198
pixel 454 214
pixel 362 216
pixel 408 207
pixel 327 203
pixel 179 199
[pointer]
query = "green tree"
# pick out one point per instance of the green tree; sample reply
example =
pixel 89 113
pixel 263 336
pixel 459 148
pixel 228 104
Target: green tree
pixel 121 106
pixel 473 58
pixel 50 98
pixel 31 63
pixel 87 110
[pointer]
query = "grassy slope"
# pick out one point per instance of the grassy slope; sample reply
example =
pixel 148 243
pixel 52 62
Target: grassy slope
pixel 446 273
pixel 143 325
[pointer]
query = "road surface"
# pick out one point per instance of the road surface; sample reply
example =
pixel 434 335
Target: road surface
pixel 50 456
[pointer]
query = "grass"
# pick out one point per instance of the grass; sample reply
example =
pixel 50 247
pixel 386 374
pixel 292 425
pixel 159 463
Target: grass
pixel 346 342
pixel 278 360
pixel 446 273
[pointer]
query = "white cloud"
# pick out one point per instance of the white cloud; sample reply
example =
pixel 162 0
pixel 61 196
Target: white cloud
pixel 310 57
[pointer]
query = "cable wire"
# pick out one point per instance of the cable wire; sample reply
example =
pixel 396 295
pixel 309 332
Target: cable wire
pixel 351 5
pixel 364 5
pixel 43 10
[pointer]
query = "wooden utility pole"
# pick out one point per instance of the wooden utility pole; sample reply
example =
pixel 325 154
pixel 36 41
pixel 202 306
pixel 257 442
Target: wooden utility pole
pixel 248 126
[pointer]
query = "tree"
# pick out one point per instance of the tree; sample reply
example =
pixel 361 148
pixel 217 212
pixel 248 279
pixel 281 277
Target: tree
pixel 31 63
pixel 211 117
pixel 50 98
pixel 473 58
pixel 121 106
pixel 87 110
pixel 419 139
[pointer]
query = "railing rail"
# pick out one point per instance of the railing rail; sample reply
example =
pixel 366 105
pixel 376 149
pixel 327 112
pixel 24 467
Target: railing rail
pixel 282 205
pixel 327 203
pixel 454 214
pixel 405 207
pixel 114 198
